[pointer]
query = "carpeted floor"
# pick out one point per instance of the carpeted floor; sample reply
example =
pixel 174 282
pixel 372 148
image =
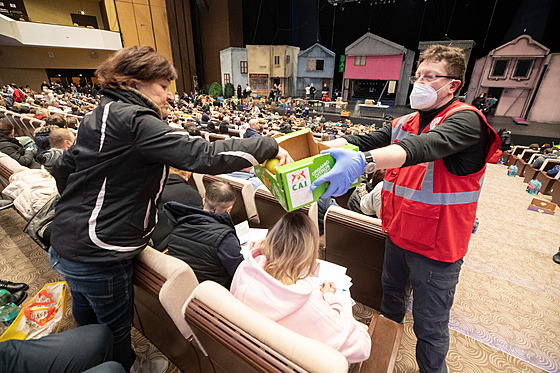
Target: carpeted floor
pixel 505 317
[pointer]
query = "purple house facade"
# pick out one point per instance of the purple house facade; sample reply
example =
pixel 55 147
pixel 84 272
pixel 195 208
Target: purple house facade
pixel 523 76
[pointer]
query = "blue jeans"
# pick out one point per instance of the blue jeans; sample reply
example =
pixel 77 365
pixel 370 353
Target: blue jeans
pixel 433 284
pixel 74 350
pixel 102 293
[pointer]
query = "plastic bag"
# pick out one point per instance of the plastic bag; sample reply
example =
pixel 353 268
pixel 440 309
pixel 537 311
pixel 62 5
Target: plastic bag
pixel 40 316
pixel 512 170
pixel 534 186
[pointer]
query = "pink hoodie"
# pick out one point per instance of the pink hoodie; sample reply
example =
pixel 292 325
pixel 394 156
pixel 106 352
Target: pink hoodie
pixel 301 308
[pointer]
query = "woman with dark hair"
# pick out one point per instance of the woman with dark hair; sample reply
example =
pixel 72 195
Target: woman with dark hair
pixel 111 182
pixel 9 145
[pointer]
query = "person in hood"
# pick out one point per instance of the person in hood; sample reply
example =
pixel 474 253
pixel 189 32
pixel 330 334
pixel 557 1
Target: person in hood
pixel 111 181
pixel 206 239
pixel 272 281
pixel 11 146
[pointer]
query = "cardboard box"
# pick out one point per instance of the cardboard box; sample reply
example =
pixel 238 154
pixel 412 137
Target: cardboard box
pixel 290 185
pixel 541 206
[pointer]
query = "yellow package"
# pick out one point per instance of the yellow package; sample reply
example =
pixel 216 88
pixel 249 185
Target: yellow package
pixel 40 316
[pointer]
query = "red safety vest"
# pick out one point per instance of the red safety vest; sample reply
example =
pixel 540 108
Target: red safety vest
pixel 425 208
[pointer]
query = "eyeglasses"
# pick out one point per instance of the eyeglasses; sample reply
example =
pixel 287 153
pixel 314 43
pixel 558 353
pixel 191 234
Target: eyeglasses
pixel 429 78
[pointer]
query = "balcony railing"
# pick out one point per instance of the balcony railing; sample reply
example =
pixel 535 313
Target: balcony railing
pixel 21 33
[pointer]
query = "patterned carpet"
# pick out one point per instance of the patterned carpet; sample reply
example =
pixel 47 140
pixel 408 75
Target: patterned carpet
pixel 505 317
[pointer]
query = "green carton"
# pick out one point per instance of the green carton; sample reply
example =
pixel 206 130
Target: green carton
pixel 290 184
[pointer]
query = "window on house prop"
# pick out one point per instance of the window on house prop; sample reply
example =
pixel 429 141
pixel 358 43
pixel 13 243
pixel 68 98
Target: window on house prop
pixel 287 58
pixel 499 69
pixel 522 69
pixel 227 78
pixel 315 65
pixel 277 60
pixel 243 67
pixel 359 60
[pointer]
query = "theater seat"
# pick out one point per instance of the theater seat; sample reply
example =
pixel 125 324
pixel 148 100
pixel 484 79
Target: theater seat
pixel 162 284
pixel 523 161
pixel 517 150
pixel 528 171
pixel 8 166
pixel 235 338
pixel 215 137
pixel 546 180
pixel 555 192
pixel 357 242
pixel 269 210
pixel 238 339
pixel 196 182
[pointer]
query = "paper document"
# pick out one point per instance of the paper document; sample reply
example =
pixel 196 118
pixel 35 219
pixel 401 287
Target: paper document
pixel 248 235
pixel 327 271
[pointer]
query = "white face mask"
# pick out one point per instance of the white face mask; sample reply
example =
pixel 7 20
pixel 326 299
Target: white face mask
pixel 423 96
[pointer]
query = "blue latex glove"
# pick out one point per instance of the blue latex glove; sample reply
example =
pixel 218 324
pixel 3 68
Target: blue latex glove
pixel 348 167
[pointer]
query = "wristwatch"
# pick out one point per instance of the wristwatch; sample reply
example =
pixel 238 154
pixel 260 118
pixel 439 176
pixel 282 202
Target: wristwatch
pixel 370 163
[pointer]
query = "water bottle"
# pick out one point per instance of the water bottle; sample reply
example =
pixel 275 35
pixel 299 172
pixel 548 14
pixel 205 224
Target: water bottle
pixel 8 310
pixel 512 170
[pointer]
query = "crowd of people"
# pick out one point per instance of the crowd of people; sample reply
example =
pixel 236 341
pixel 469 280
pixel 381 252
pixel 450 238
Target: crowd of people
pixel 122 186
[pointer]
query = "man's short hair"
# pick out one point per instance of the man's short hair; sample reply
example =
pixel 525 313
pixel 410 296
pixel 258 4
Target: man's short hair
pixel 56 120
pixel 192 129
pixel 57 137
pixel 219 196
pixel 71 122
pixel 455 58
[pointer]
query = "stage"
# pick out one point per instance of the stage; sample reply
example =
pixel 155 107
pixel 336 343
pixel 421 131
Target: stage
pixel 535 132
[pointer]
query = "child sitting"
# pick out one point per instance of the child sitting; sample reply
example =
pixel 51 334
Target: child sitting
pixel 272 280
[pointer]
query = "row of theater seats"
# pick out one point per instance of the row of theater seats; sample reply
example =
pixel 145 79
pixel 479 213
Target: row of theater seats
pixel 523 157
pixel 204 328
pixel 23 125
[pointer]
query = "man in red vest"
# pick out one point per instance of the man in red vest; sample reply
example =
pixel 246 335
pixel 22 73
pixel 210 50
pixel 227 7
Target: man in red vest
pixel 435 160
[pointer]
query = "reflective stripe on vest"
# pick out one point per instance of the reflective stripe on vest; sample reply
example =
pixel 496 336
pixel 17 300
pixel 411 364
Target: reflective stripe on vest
pixel 426 193
pixel 397 133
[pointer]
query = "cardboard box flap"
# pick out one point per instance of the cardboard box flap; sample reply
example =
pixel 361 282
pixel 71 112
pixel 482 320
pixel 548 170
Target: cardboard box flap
pixel 299 144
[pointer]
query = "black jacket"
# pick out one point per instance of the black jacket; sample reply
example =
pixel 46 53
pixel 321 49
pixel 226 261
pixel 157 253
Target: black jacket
pixel 112 178
pixel 13 148
pixel 205 241
pixel 177 190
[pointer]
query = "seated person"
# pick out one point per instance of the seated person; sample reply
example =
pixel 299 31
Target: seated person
pixel 254 129
pixel 41 134
pixel 206 239
pixel 72 124
pixel 9 145
pixel 60 139
pixel 223 129
pixel 177 190
pixel 249 175
pixel 548 154
pixel 366 198
pixel 553 172
pixel 192 129
pixel 272 281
